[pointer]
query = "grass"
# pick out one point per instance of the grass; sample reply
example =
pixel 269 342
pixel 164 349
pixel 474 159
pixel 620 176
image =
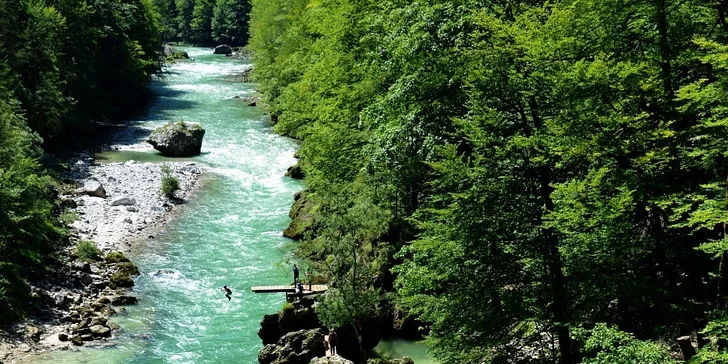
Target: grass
pixel 170 183
pixel 87 250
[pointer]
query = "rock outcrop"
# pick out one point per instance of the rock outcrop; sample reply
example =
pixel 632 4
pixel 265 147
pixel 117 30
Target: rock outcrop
pixel 295 171
pixel 298 347
pixel 298 316
pixel 223 49
pixel 178 139
pixel 405 360
pixel 301 218
pixel 331 360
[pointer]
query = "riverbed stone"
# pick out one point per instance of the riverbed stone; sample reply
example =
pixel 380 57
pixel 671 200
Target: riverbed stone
pixel 223 49
pixel 94 188
pixel 331 360
pixel 123 300
pixel 100 331
pixel 178 139
pixel 123 201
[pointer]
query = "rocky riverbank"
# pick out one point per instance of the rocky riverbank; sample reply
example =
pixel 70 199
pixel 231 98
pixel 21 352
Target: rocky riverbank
pixel 115 206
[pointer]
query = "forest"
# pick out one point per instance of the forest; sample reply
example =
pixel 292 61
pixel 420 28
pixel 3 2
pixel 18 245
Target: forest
pixel 64 66
pixel 535 181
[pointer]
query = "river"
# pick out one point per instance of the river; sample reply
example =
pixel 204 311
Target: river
pixel 228 234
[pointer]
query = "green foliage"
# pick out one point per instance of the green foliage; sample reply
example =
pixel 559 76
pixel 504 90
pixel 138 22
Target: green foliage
pixel 68 217
pixel 204 22
pixel 115 257
pixel 28 232
pixel 555 164
pixel 170 183
pixel 87 251
pixel 611 346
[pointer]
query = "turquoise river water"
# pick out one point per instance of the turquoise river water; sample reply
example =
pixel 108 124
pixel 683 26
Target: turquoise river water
pixel 228 234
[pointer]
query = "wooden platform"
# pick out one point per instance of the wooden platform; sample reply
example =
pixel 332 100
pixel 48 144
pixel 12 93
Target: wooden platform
pixel 316 288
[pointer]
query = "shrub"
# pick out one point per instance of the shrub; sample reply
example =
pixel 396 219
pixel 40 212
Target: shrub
pixel 87 250
pixel 68 217
pixel 116 257
pixel 170 183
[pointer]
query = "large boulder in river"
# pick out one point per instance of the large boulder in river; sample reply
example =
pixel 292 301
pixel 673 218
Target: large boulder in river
pixel 223 49
pixel 178 139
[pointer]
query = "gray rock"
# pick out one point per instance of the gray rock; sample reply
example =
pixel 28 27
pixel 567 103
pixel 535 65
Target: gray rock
pixel 123 201
pixel 86 279
pixel 100 331
pixel 332 360
pixel 94 188
pixel 223 49
pixel 178 139
pixel 63 336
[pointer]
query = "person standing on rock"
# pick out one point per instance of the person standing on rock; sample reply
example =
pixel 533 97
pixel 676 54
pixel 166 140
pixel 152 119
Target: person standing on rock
pixel 333 340
pixel 228 292
pixel 295 274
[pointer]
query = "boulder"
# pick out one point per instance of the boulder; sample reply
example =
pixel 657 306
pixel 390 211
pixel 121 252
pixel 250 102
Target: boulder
pixel 94 188
pixel 100 331
pixel 405 360
pixel 223 49
pixel 297 347
pixel 33 333
pixel 63 336
pixel 332 360
pixel 178 139
pixel 299 316
pixel 123 300
pixel 301 217
pixel 123 201
pixel 295 171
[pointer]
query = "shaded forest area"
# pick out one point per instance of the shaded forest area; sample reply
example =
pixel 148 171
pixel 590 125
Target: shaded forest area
pixel 64 64
pixel 536 181
pixel 205 22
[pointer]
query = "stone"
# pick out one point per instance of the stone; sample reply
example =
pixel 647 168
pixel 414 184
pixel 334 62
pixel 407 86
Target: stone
pixel 294 347
pixel 331 360
pixel 86 279
pixel 94 188
pixel 33 333
pixel 295 172
pixel 100 331
pixel 87 337
pixel 131 209
pixel 76 340
pixel 63 336
pixel 123 201
pixel 123 300
pixel 223 49
pixel 178 139
pixel 301 217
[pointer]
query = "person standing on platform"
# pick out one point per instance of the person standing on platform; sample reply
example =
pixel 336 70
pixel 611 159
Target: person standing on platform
pixel 295 274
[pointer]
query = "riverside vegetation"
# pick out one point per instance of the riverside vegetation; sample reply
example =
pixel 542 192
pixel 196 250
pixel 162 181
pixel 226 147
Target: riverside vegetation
pixel 537 181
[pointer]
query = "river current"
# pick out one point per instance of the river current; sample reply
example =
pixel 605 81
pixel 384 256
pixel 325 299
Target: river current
pixel 228 234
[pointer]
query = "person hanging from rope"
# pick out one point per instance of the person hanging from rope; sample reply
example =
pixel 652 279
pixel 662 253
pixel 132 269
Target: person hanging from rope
pixel 228 292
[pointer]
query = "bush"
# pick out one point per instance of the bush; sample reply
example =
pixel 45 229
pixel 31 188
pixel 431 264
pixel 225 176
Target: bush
pixel 68 217
pixel 170 183
pixel 87 250
pixel 116 257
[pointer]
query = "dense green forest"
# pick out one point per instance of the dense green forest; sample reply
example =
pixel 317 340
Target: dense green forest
pixel 538 181
pixel 205 22
pixel 63 65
